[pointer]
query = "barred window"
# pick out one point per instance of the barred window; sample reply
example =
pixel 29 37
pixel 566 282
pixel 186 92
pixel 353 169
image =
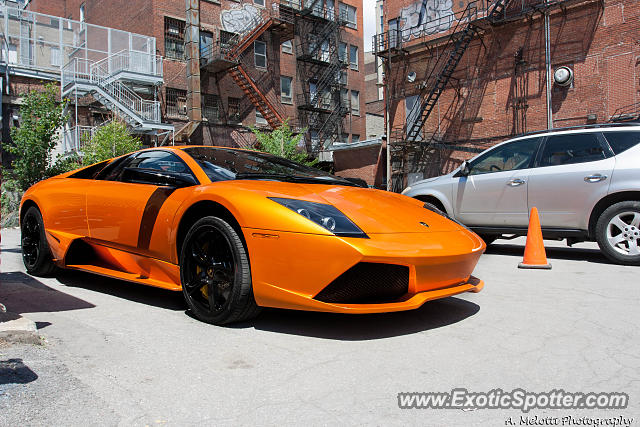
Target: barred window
pixel 176 100
pixel 211 107
pixel 348 14
pixel 173 38
pixel 234 110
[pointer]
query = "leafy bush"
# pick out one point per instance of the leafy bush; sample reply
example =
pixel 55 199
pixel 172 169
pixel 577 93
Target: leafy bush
pixel 110 140
pixel 11 195
pixel 41 118
pixel 282 142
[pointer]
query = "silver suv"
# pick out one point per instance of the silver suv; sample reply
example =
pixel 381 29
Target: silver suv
pixel 585 183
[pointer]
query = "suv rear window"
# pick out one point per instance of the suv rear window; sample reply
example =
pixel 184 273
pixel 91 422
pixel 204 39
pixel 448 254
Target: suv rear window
pixel 622 141
pixel 572 148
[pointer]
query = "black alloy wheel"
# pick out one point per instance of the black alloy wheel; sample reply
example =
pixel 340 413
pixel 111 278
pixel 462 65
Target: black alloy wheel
pixel 215 273
pixel 36 254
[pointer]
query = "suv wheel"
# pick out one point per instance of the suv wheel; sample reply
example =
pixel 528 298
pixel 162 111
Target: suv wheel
pixel 618 232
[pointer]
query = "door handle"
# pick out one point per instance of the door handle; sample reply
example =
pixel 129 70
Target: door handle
pixel 595 178
pixel 516 182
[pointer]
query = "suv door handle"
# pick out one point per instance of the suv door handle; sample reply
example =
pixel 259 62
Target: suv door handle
pixel 516 182
pixel 595 178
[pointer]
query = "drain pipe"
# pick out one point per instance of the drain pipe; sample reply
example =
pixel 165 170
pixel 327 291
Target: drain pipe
pixel 547 56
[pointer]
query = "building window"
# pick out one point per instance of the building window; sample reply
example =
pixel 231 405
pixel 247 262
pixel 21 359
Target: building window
pixel 13 54
pixel 348 14
pixel 342 77
pixel 234 110
pixel 173 38
pixel 287 47
pixel 342 52
pixel 286 96
pixel 211 107
pixel 260 120
pixel 260 54
pixel 344 138
pixel 176 100
pixel 355 138
pixel 82 8
pixel 344 97
pixel 259 2
pixel 353 57
pixel 381 19
pixel 355 102
pixel 55 57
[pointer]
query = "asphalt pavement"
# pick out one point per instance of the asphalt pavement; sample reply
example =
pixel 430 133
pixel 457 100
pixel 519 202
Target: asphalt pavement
pixel 115 353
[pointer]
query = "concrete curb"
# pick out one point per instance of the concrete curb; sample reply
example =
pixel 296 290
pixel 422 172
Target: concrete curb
pixel 12 322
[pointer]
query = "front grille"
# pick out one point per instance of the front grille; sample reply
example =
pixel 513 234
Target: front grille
pixel 367 282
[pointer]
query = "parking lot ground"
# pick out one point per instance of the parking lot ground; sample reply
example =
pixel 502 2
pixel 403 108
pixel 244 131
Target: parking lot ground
pixel 115 353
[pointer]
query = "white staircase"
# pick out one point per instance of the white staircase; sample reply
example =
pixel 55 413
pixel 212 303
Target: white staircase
pixel 104 80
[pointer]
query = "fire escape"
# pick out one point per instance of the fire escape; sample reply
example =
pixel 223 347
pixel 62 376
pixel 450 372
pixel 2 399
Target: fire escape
pixel 225 55
pixel 110 81
pixel 410 140
pixel 321 67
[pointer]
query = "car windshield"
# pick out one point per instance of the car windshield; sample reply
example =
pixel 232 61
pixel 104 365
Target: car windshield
pixel 221 164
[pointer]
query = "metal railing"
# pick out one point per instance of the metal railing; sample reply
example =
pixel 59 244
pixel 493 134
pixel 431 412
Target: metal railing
pixel 98 75
pixel 133 62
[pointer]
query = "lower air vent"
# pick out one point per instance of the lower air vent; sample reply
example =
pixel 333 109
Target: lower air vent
pixel 367 282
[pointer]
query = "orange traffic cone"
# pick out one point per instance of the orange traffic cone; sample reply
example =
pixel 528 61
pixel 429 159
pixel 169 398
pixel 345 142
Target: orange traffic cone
pixel 534 253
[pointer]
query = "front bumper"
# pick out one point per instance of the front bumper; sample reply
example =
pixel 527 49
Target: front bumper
pixel 290 269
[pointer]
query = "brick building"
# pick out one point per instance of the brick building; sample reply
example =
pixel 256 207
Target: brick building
pixel 464 75
pixel 229 65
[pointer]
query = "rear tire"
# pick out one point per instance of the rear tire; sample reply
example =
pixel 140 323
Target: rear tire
pixel 215 273
pixel 36 254
pixel 618 232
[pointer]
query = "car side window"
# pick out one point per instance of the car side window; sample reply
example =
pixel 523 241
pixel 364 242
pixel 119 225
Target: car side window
pixel 572 148
pixel 622 141
pixel 511 156
pixel 113 170
pixel 162 161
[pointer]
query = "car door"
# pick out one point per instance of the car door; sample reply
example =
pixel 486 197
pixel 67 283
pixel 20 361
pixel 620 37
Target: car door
pixel 495 191
pixel 573 172
pixel 121 210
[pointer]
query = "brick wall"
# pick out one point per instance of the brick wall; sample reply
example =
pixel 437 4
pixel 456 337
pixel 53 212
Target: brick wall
pixel 148 17
pixel 499 87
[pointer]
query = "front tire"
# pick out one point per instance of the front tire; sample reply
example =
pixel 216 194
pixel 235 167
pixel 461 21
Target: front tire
pixel 36 254
pixel 618 232
pixel 215 273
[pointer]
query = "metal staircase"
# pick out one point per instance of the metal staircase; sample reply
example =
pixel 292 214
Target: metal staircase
pixel 225 54
pixel 321 69
pixel 104 80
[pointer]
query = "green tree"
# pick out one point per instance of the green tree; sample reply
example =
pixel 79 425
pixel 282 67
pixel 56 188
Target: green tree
pixel 32 143
pixel 282 142
pixel 110 140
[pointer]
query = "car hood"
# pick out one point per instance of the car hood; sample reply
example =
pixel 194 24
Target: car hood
pixel 374 211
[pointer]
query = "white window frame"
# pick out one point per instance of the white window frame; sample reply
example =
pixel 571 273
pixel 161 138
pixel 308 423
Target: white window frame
pixel 286 98
pixel 56 59
pixel 347 8
pixel 256 55
pixel 355 109
pixel 353 64
pixel 287 47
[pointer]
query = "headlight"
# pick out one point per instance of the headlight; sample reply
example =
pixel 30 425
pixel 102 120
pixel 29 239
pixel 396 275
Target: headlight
pixel 326 216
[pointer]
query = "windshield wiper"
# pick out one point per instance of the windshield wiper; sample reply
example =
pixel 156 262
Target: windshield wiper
pixel 296 178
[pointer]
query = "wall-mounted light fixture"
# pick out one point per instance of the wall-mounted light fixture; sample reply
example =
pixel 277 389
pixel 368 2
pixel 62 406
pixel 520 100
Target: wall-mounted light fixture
pixel 563 76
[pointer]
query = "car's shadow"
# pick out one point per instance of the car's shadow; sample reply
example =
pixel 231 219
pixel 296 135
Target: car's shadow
pixel 572 254
pixel 358 327
pixel 346 327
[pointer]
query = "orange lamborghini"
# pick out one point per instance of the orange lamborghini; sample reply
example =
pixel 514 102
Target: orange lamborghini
pixel 237 230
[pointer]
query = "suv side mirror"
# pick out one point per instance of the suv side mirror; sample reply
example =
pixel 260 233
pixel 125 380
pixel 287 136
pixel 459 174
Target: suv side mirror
pixel 464 170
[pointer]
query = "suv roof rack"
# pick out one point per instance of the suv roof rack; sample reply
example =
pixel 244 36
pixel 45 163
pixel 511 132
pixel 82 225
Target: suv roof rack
pixel 592 126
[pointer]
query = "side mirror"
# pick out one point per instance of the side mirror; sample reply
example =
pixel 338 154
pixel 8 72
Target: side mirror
pixel 464 170
pixel 156 177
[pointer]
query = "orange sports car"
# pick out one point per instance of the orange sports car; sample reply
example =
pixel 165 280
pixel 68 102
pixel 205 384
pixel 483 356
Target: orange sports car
pixel 237 230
